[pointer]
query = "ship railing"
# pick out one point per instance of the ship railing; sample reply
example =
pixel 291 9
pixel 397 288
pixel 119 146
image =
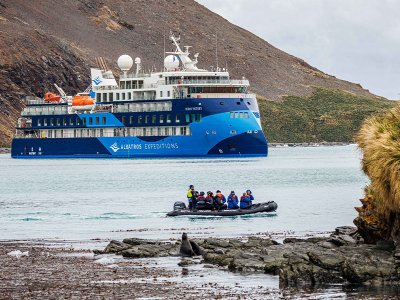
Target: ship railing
pixel 132 75
pixel 215 95
pixel 29 100
pixel 243 82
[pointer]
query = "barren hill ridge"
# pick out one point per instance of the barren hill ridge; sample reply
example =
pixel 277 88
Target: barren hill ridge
pixel 52 41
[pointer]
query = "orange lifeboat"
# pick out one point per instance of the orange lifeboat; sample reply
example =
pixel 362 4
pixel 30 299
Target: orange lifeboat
pixel 50 97
pixel 82 100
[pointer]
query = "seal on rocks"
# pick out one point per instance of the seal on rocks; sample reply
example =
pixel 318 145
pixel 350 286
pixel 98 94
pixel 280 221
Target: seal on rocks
pixel 188 247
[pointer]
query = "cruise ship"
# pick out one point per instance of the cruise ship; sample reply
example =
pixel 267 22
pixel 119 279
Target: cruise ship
pixel 182 111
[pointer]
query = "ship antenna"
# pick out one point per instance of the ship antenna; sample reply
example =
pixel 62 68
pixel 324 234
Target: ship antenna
pixel 163 66
pixel 216 49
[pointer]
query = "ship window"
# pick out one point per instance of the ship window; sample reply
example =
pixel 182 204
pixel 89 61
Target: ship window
pixel 71 122
pixel 97 120
pixel 241 115
pixel 50 133
pixel 173 130
pixel 140 119
pixel 214 132
pixel 58 121
pixel 161 94
pixel 168 118
pixel 248 103
pixel 123 120
pixel 104 120
pixel 246 115
pixel 146 120
pixel 161 118
pixel 198 117
pixel 183 130
pixel 117 96
pixel 151 131
pixel 153 119
pixel 129 84
pixel 98 97
pixel 122 85
pixel 101 132
pixel 83 121
pixel 140 83
pixel 177 119
pixel 221 103
pixel 129 96
pixel 166 131
pixel 78 121
pixel 238 103
pixel 64 121
pixel 131 120
pixel 187 118
pixel 169 93
pixel 39 122
pixel 104 97
pixel 231 115
pixel 236 115
pixel 256 114
pixel 111 97
pixel 123 96
pixel 45 122
pixel 233 131
pixel 90 121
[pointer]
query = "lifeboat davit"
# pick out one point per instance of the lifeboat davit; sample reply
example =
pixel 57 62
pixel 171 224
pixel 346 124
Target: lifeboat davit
pixel 50 98
pixel 82 102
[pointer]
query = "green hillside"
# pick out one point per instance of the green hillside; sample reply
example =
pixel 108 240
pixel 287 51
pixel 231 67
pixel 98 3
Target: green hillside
pixel 327 115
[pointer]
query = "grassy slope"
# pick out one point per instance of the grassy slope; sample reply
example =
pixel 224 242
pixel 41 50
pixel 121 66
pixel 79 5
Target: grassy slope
pixel 327 115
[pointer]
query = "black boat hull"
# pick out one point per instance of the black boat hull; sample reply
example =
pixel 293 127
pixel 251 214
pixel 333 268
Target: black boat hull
pixel 256 208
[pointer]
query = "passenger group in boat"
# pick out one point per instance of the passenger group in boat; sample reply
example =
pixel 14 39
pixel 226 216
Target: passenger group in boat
pixel 201 201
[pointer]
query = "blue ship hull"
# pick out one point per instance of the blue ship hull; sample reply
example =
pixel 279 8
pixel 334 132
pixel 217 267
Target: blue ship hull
pixel 212 136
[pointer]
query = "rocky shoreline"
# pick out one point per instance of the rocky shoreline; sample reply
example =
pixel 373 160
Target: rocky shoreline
pixel 341 258
pixel 5 150
pixel 307 144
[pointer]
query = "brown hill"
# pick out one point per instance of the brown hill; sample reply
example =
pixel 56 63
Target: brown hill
pixel 52 41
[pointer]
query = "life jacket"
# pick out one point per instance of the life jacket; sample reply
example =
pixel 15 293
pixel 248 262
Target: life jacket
pixel 190 195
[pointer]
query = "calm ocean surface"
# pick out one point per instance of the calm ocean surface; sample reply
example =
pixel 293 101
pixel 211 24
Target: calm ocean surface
pixel 80 199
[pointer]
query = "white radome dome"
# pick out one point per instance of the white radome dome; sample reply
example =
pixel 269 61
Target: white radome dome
pixel 125 62
pixel 171 62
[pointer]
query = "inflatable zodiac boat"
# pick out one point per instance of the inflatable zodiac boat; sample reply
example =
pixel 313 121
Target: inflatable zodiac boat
pixel 181 210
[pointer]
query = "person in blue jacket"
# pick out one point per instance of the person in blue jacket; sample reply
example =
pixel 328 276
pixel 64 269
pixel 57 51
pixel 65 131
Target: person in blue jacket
pixel 245 201
pixel 250 195
pixel 233 201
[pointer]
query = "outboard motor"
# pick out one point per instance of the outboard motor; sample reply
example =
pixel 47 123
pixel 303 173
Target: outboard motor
pixel 179 205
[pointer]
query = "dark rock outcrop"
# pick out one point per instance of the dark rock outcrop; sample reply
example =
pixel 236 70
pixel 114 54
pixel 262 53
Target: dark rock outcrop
pixel 342 257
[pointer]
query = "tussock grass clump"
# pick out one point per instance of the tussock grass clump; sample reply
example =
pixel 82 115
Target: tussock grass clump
pixel 379 141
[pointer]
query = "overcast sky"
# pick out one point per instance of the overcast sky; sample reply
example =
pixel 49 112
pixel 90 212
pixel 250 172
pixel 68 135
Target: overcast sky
pixel 354 40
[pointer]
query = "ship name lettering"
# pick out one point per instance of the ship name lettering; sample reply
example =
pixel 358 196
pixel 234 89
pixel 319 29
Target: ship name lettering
pixel 194 108
pixel 161 146
pixel 131 146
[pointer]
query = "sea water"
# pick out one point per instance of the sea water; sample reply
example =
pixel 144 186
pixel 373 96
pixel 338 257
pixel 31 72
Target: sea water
pixel 316 189
pixel 90 201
